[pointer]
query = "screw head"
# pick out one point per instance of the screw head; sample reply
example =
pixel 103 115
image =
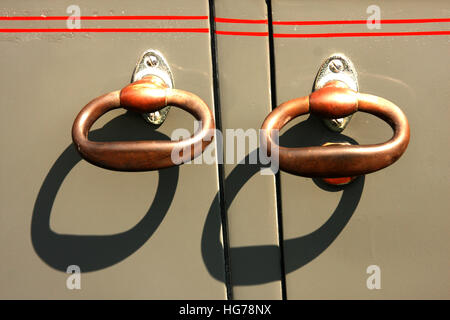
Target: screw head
pixel 151 61
pixel 336 66
pixel 154 116
pixel 338 122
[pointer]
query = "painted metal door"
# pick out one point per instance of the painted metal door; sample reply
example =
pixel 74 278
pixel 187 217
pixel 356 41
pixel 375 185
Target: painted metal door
pixel 133 235
pixel 393 222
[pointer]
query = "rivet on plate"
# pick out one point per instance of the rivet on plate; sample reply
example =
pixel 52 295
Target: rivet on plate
pixel 151 60
pixel 336 66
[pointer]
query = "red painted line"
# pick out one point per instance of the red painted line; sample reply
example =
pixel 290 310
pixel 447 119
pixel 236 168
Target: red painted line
pixel 251 21
pixel 223 20
pixel 155 30
pixel 107 18
pixel 386 21
pixel 360 34
pixel 242 33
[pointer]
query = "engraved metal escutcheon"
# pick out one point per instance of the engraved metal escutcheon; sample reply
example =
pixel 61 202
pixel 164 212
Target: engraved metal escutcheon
pixel 152 62
pixel 337 67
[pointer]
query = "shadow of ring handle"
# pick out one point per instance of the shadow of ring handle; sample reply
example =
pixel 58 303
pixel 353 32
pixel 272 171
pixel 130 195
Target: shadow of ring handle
pixel 336 101
pixel 146 95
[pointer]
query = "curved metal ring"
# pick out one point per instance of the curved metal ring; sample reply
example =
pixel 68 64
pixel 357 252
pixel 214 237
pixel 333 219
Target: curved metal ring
pixel 146 95
pixel 334 161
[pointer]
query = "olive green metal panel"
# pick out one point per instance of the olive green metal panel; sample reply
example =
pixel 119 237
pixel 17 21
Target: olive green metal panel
pixel 134 235
pixel 397 218
pixel 250 198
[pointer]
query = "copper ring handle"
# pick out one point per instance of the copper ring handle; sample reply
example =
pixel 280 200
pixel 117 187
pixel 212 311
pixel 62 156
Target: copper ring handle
pixel 336 101
pixel 146 95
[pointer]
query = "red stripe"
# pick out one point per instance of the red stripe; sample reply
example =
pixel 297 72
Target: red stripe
pixel 395 21
pixel 360 34
pixel 241 33
pixel 108 18
pixel 226 20
pixel 236 33
pixel 252 21
pixel 156 30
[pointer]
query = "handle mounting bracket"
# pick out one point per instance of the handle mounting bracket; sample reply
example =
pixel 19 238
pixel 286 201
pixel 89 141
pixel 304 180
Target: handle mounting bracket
pixel 337 67
pixel 152 62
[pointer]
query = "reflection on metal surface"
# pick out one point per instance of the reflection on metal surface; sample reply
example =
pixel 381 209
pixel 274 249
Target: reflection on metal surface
pixel 337 67
pixel 152 62
pixel 341 181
